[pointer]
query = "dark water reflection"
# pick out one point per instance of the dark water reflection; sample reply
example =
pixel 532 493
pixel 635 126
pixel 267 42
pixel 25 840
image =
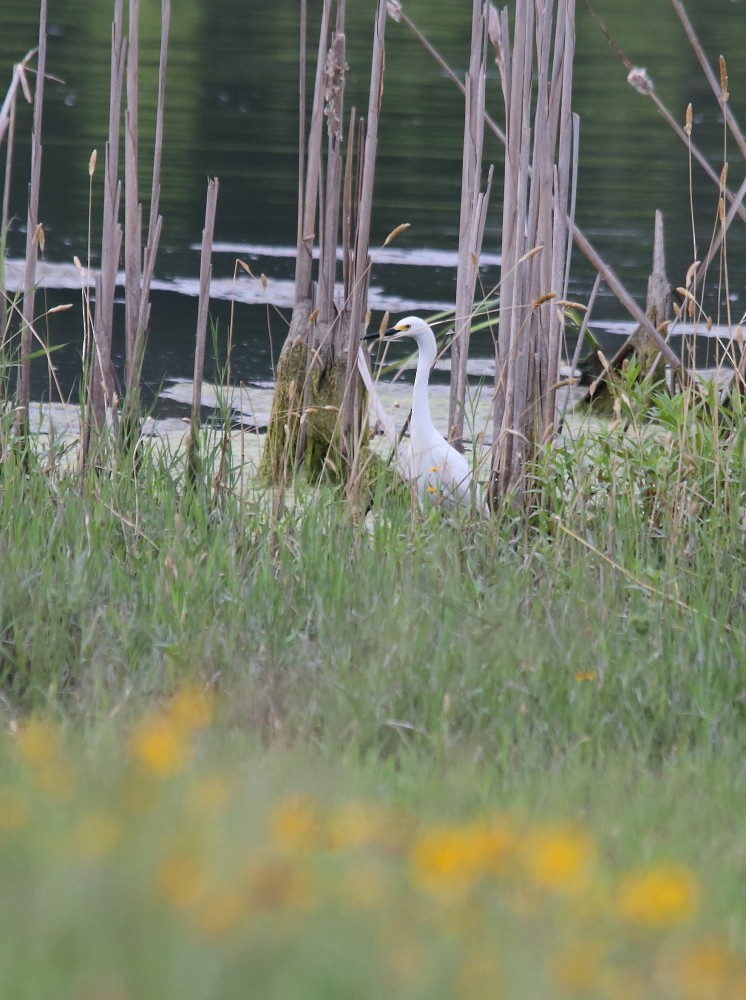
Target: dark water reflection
pixel 231 113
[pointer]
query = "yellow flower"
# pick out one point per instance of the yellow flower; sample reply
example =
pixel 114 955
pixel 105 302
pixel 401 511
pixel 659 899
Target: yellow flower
pixel 191 709
pixel 160 742
pixel 658 897
pixel 585 675
pixel 453 858
pixel 39 742
pixel 559 858
pixel 158 746
pixel 295 826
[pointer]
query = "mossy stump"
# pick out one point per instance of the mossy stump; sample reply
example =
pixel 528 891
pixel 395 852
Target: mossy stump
pixel 304 430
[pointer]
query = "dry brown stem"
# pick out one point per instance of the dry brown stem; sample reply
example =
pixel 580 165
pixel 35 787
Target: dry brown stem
pixel 23 387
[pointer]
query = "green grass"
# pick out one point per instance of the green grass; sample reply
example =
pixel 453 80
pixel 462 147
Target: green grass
pixel 583 667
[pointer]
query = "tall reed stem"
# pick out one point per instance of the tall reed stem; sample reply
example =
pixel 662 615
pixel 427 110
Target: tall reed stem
pixel 23 387
pixel 472 219
pixel 205 277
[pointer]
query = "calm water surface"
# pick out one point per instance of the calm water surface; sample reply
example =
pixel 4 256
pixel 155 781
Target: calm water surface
pixel 232 113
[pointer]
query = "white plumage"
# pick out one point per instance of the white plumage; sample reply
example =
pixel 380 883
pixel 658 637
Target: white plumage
pixel 443 474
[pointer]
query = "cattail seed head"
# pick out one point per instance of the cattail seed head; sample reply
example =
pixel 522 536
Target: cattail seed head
pixel 396 232
pixel 393 9
pixel 724 79
pixel 639 79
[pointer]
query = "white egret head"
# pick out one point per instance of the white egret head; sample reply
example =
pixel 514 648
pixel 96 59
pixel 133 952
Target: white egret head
pixel 410 326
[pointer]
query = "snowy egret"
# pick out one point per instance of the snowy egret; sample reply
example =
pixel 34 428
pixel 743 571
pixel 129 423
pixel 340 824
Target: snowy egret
pixel 442 474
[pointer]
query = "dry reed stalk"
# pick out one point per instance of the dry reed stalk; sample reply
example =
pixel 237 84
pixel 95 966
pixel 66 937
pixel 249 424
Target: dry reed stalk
pixel 23 387
pixel 312 172
pixel 580 240
pixel 205 277
pixel 315 411
pixel 140 274
pixel 536 204
pixel 355 324
pixel 329 216
pixel 310 167
pixel 473 216
pixel 101 374
pixel 132 207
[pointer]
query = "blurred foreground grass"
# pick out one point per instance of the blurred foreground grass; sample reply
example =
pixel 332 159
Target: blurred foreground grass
pixel 166 858
pixel 300 747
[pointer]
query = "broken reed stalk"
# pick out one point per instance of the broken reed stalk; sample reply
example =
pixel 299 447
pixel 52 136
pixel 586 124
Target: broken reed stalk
pixel 205 277
pixel 101 376
pixel 18 79
pixel 8 124
pixel 658 308
pixel 8 165
pixel 473 217
pixel 23 386
pixel 535 235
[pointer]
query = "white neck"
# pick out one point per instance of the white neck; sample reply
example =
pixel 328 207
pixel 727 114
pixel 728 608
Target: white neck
pixel 427 353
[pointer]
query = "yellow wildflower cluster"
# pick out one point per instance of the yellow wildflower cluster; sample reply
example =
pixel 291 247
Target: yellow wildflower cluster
pixel 658 897
pixel 161 741
pixel 452 859
pixel 224 869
